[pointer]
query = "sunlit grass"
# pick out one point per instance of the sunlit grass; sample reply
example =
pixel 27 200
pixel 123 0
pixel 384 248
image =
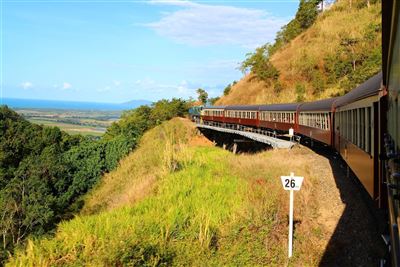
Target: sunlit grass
pixel 208 208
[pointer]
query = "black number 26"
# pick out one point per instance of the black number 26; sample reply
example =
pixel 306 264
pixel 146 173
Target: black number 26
pixel 290 183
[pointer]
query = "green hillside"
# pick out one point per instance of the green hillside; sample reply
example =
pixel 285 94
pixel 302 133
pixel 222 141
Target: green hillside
pixel 196 205
pixel 339 51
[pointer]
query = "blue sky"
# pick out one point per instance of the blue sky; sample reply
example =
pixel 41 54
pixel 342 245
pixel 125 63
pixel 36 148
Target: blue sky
pixel 116 51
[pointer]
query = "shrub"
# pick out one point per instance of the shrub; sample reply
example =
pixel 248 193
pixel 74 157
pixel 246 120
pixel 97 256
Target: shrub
pixel 300 91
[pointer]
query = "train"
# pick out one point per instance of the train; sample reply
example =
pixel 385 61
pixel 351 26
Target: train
pixel 390 157
pixel 345 123
pixel 362 126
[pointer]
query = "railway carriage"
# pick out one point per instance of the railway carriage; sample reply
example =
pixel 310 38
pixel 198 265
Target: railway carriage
pixel 243 115
pixel 213 113
pixel 315 120
pixel 353 124
pixel 356 137
pixel 279 117
pixel 391 83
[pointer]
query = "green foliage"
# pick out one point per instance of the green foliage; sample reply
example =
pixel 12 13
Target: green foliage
pixel 305 16
pixel 44 172
pixel 259 64
pixel 227 90
pixel 300 91
pixel 212 100
pixel 180 224
pixel 355 61
pixel 202 95
pixel 134 123
pixel 318 83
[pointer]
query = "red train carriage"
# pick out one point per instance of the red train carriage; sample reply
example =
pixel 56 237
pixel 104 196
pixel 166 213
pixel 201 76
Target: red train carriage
pixel 213 113
pixel 357 136
pixel 315 120
pixel 243 115
pixel 279 117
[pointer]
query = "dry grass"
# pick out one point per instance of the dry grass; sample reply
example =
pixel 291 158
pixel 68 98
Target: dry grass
pixel 137 173
pixel 320 40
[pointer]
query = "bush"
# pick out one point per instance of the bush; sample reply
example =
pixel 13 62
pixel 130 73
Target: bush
pixel 300 91
pixel 318 83
pixel 227 90
pixel 259 64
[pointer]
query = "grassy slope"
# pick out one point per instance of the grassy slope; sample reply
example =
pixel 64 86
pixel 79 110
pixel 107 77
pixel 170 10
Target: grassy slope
pixel 200 206
pixel 306 55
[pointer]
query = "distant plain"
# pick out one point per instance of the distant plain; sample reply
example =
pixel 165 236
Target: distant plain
pixel 84 122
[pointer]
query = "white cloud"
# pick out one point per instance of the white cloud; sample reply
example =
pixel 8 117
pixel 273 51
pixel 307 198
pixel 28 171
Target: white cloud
pixel 66 86
pixel 116 83
pixel 202 24
pixel 26 85
pixel 105 89
pixel 183 89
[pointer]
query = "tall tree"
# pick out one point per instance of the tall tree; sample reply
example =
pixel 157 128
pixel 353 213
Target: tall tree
pixel 202 95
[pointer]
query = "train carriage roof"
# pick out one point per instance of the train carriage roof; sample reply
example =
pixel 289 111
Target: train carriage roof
pixel 215 107
pixel 319 105
pixel 280 107
pixel 248 107
pixel 369 88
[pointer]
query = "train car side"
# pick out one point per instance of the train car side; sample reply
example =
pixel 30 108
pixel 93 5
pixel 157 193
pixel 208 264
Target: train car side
pixel 356 137
pixel 391 83
pixel 279 117
pixel 243 115
pixel 213 114
pixel 316 120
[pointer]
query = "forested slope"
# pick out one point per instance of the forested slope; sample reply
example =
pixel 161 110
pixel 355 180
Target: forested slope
pixel 338 51
pixel 44 172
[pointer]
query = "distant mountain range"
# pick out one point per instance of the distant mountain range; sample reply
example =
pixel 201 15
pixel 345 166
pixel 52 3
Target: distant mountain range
pixel 136 103
pixel 57 104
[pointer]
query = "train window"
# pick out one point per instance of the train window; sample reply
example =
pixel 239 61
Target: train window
pixel 348 125
pixel 368 130
pixel 355 127
pixel 362 128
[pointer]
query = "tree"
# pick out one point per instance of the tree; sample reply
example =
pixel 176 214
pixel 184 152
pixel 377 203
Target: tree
pixel 259 64
pixel 300 91
pixel 202 95
pixel 212 100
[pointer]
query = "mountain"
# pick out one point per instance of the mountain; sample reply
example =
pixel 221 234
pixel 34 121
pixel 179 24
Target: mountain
pixel 136 103
pixel 339 51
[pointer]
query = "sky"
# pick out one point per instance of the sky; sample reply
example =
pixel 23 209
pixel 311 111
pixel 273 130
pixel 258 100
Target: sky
pixel 117 51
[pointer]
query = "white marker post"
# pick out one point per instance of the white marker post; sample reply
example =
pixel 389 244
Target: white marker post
pixel 291 183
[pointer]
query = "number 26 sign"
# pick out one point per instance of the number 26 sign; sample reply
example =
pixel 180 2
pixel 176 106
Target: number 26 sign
pixel 292 182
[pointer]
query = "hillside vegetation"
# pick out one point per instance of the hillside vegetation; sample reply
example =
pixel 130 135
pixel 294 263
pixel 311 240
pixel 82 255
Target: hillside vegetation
pixel 198 205
pixel 339 51
pixel 44 172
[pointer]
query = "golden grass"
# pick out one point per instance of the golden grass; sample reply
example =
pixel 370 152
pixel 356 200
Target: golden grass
pixel 320 40
pixel 137 173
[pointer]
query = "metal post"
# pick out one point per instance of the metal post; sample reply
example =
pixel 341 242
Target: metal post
pixel 291 223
